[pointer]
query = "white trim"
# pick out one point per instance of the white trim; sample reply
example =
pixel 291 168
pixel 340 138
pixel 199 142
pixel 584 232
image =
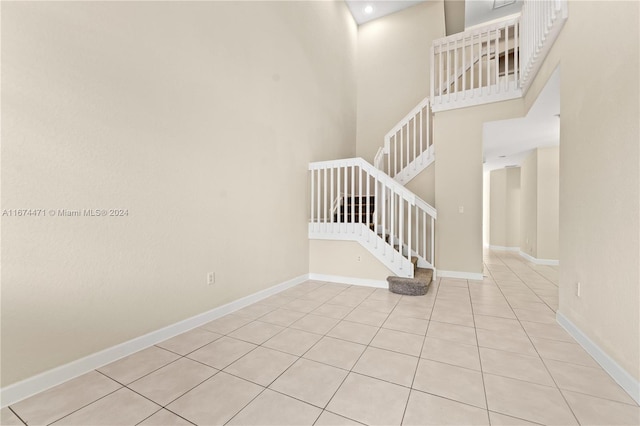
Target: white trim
pixel 503 248
pixel 550 262
pixel 461 275
pixel 348 280
pixel 43 381
pixel 619 374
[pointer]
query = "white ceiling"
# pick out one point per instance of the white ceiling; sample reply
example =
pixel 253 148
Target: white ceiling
pixel 516 138
pixel 380 8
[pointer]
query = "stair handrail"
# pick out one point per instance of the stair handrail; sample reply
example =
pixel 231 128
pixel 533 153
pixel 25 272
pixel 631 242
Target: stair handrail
pixel 381 176
pixel 400 124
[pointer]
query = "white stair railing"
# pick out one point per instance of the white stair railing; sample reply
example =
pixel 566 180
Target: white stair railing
pixel 476 66
pixel 377 211
pixel 408 146
pixel 542 21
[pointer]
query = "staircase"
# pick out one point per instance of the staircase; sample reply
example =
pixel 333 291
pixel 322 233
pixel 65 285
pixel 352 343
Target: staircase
pixel 354 200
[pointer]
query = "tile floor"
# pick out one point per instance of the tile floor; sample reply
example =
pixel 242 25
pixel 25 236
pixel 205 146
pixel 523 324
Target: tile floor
pixel 469 352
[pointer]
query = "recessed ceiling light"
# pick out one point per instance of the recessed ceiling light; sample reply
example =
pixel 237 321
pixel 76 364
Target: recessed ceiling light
pixel 368 9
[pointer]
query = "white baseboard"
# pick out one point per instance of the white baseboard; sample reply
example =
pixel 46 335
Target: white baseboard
pixel 550 262
pixel 619 374
pixel 348 280
pixel 503 248
pixel 43 381
pixel 462 275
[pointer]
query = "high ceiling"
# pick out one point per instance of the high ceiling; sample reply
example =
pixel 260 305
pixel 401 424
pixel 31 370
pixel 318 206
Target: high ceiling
pixel 378 8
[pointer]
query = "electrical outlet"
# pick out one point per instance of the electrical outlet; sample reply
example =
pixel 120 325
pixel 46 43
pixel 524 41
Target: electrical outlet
pixel 359 258
pixel 211 278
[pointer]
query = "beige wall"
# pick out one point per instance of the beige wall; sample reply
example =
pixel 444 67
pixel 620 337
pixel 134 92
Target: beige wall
pixel 424 185
pixel 539 214
pixel 498 215
pixel 393 70
pixel 548 203
pixel 599 173
pixel 458 177
pixel 505 207
pixel 199 118
pixel 486 208
pixel 513 206
pixel 529 205
pixel 345 259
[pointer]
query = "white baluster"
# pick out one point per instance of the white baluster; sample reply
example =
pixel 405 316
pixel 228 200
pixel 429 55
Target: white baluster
pixel 383 211
pixel 414 140
pixel 392 223
pixel 318 204
pixel 312 197
pixel 325 198
pixel 409 232
pixel 424 234
pixel 433 241
pixel 332 199
pixel 401 228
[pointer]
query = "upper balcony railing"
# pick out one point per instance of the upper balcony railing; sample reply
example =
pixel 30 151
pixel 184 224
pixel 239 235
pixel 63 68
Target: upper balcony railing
pixel 494 62
pixel 542 21
pixel 477 66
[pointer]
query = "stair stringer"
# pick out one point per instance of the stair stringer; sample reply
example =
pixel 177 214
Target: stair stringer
pixel 373 243
pixel 413 169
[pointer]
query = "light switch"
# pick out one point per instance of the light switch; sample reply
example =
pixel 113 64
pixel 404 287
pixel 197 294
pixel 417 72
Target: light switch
pixel 460 209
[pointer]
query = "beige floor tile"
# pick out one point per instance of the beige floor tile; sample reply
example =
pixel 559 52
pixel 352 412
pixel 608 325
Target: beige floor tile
pixel 310 381
pixel 425 409
pixel 52 404
pixel 451 352
pixel 529 401
pixel 459 318
pixel 123 407
pixel 303 305
pixel 370 401
pixel 386 365
pixel 226 324
pixel 230 394
pixel 293 341
pixel 563 351
pixel 497 323
pixel 256 332
pixel 377 305
pixel 131 368
pixel 190 341
pixel 261 366
pixel 336 352
pixel 494 310
pixel 282 317
pixel 596 411
pixel 274 409
pixel 398 341
pixel 544 317
pixel 315 323
pixel 406 324
pixel 516 366
pixel 255 311
pixel 222 352
pixel 455 333
pixel 332 311
pixel 547 331
pixel 498 419
pixel 589 380
pixel 353 332
pixel 406 310
pixel 327 418
pixel 169 382
pixel 366 316
pixel 449 381
pixel 165 418
pixel 8 418
pixel 506 341
pixel 346 300
pixel 384 295
pixel 277 300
